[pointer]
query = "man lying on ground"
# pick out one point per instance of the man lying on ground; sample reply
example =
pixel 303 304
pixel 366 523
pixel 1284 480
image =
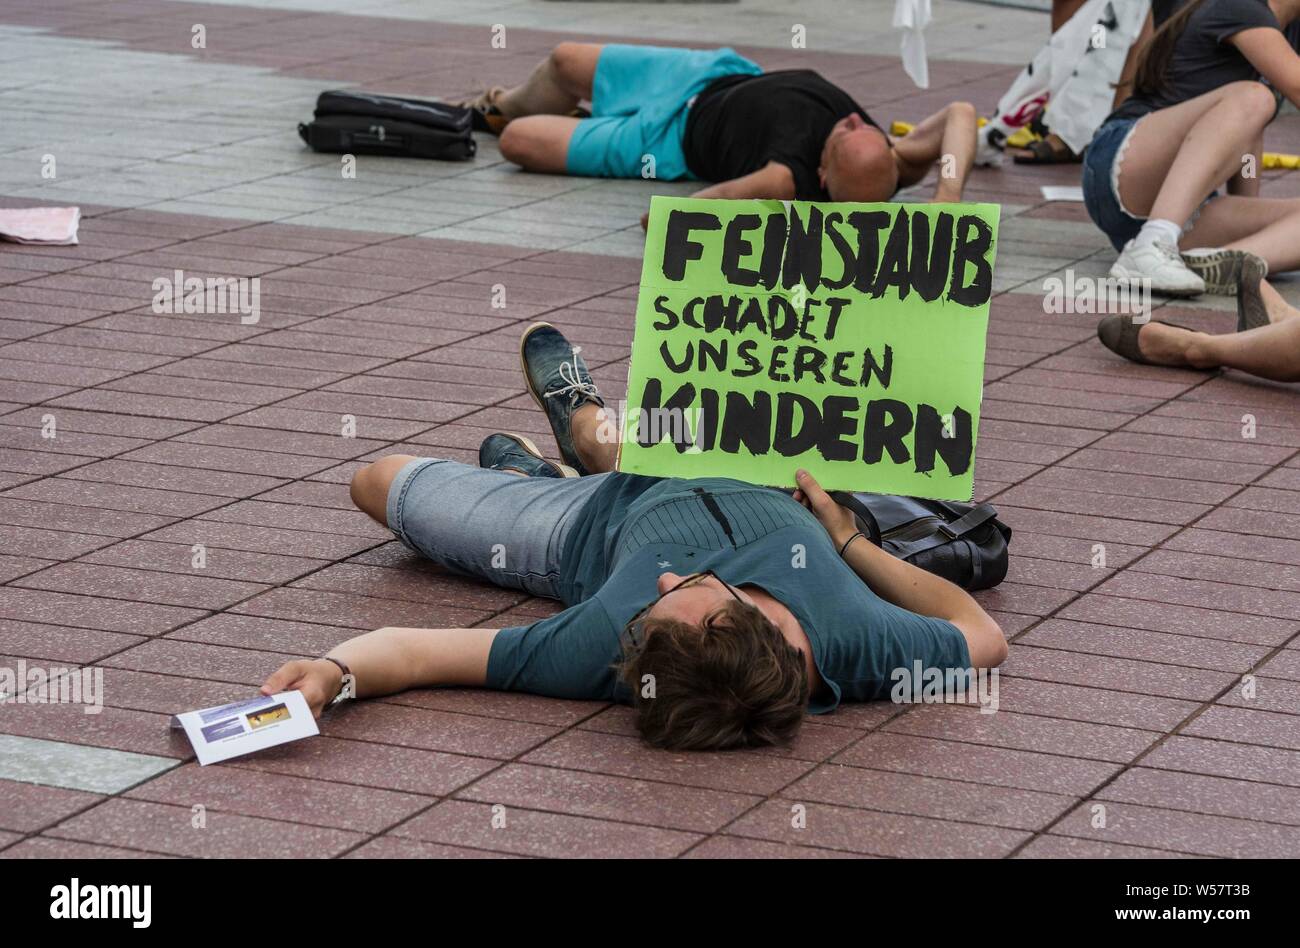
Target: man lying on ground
pixel 722 611
pixel 713 115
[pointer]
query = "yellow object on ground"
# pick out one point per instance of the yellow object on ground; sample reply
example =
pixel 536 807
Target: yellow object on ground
pixel 1273 160
pixel 1023 137
pixel 902 128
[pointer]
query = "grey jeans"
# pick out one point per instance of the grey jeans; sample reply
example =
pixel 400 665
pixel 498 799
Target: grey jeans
pixel 493 525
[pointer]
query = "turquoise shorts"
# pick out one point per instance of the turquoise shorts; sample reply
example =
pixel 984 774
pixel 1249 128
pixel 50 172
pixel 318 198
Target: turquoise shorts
pixel 640 98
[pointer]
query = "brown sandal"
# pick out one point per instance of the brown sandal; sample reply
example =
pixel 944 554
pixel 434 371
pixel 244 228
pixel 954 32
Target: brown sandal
pixel 1047 151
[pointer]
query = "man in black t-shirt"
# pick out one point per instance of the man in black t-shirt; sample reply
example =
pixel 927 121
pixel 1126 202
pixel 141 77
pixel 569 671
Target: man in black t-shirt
pixel 793 134
pixel 715 116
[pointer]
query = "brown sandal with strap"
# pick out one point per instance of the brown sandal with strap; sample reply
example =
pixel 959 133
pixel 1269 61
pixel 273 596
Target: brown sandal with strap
pixel 1046 151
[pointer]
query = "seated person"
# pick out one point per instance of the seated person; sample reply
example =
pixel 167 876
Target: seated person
pixel 715 116
pixel 1155 174
pixel 721 610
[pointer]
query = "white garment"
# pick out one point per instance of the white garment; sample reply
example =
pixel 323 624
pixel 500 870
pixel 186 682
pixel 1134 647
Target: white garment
pixel 1071 79
pixel 912 17
pixel 40 225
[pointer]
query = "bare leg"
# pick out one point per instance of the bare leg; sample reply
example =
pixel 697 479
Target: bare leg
pixel 1271 352
pixel 557 85
pixel 1180 154
pixel 595 437
pixel 1278 308
pixel 370 485
pixel 539 126
pixel 539 142
pixel 1053 140
pixel 1245 183
pixel 1267 227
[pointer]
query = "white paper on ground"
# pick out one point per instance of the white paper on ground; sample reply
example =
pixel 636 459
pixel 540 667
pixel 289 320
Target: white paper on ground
pixel 232 730
pixel 912 17
pixel 40 225
pixel 1062 192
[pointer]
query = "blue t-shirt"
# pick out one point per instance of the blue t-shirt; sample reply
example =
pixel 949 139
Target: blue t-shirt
pixel 633 528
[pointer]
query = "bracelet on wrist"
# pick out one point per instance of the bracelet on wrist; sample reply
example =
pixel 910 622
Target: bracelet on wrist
pixel 850 540
pixel 347 684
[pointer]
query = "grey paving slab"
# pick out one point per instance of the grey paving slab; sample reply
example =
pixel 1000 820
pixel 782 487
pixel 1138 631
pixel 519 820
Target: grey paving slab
pixel 958 31
pixel 76 766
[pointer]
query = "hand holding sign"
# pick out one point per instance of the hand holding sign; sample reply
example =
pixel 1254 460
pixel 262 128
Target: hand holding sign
pixel 847 339
pixel 839 521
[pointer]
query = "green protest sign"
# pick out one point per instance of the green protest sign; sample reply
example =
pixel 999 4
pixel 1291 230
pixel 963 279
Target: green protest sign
pixel 847 339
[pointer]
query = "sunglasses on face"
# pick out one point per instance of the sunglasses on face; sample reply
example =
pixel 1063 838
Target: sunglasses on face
pixel 635 625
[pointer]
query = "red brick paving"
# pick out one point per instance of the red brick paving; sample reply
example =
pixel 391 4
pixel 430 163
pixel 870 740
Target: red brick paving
pixel 1122 688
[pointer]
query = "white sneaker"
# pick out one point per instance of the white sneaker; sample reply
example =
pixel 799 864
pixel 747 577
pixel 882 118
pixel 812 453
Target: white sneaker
pixel 1160 263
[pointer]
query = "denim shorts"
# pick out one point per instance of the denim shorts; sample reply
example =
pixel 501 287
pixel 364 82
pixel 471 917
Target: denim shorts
pixel 1101 185
pixel 492 525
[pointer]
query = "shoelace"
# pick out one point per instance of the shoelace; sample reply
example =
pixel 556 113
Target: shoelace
pixel 571 376
pixel 1169 252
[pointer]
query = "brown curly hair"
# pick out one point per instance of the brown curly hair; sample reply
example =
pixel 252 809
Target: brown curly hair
pixel 733 681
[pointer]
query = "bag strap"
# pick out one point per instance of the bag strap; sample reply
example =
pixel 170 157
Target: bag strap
pixel 866 519
pixel 947 532
pixel 968 521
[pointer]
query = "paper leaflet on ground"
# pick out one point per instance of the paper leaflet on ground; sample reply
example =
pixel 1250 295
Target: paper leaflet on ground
pixel 40 225
pixel 1057 192
pixel 233 730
